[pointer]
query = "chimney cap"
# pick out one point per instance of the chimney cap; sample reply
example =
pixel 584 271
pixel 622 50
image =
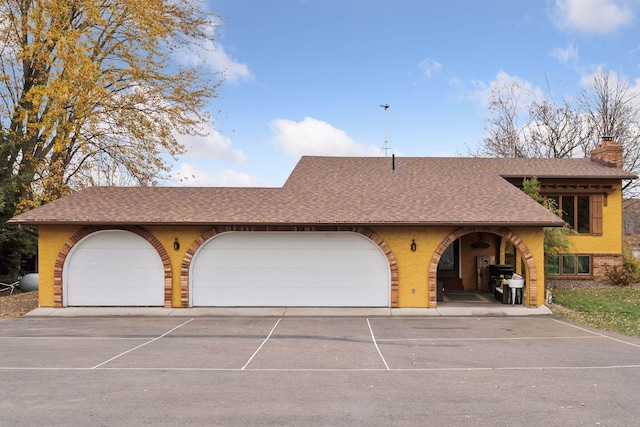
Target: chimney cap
pixel 607 140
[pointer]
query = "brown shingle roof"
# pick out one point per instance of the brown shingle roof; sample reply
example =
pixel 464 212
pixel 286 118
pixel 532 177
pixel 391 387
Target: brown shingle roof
pixel 160 205
pixel 339 190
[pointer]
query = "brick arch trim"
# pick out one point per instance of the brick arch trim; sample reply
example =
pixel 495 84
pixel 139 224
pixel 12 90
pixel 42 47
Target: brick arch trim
pixel 532 275
pixel 207 235
pixel 86 231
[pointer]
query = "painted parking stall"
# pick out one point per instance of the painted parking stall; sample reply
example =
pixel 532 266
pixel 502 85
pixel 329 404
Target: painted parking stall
pixel 325 343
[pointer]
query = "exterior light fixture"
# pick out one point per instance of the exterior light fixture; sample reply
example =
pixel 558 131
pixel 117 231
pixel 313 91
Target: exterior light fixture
pixel 480 244
pixel 176 244
pixel 413 245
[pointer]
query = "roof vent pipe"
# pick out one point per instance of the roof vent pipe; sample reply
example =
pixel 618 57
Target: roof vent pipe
pixel 393 163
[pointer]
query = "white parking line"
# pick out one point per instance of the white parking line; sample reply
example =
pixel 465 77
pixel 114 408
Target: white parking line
pixel 598 334
pixel 446 369
pixel 486 339
pixel 376 344
pixel 141 345
pixel 263 343
pixel 54 338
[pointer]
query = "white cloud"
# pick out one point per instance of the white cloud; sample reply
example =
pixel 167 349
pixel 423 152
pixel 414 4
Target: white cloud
pixel 233 71
pixel 429 67
pixel 211 146
pixel 315 137
pixel 190 175
pixel 521 90
pixel 593 16
pixel 214 55
pixel 570 54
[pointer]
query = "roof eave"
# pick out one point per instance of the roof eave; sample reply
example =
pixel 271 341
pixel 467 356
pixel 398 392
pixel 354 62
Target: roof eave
pixel 293 223
pixel 624 175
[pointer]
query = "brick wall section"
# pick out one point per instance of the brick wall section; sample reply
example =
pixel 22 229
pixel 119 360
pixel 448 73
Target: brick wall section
pixel 608 153
pixel 532 275
pixel 600 263
pixel 204 237
pixel 69 244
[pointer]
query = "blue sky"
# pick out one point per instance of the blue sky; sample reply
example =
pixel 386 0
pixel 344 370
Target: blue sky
pixel 307 77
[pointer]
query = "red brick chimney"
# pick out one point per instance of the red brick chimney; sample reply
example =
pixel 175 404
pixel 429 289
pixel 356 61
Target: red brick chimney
pixel 608 153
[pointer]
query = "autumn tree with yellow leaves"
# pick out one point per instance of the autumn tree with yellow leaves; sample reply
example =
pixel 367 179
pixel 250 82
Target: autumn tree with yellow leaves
pixel 91 93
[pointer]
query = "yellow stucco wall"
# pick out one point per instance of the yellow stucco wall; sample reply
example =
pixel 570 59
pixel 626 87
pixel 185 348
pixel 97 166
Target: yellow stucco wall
pixel 413 266
pixel 186 236
pixel 50 242
pixel 611 240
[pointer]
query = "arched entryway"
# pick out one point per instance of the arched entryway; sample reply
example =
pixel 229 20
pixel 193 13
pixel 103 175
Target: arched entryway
pixel 509 235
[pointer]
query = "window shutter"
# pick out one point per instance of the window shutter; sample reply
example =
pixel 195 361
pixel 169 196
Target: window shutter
pixel 596 214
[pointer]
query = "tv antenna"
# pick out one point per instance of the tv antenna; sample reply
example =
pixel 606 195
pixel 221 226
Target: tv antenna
pixel 385 147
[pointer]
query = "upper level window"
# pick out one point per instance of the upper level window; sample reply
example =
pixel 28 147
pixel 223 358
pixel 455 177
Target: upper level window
pixel 576 211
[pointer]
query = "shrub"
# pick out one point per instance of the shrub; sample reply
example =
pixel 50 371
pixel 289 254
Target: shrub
pixel 631 264
pixel 620 275
pixel 624 275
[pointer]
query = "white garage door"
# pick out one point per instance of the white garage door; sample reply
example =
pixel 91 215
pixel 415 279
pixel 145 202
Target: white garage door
pixel 290 269
pixel 113 268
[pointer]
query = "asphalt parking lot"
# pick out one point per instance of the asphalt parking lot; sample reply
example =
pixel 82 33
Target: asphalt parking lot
pixel 480 371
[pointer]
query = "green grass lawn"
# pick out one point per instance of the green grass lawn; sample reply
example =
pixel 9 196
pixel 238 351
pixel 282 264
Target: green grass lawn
pixel 611 309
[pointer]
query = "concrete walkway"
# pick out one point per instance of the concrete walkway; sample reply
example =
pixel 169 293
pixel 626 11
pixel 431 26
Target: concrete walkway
pixel 443 310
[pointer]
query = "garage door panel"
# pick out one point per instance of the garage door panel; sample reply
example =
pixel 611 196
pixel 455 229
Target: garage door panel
pixel 293 297
pixel 298 269
pixel 113 239
pixel 113 257
pixel 274 241
pixel 111 296
pixel 295 277
pixel 295 256
pixel 120 277
pixel 270 282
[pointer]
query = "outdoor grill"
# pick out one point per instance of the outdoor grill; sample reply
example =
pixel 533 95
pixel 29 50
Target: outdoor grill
pixel 497 273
